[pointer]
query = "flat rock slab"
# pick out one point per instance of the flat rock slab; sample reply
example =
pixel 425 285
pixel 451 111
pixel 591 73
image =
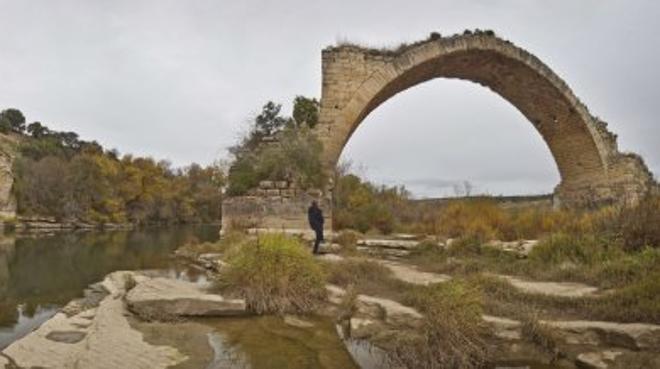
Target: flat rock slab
pixel 521 248
pixel 332 258
pixel 386 252
pixel 411 274
pixel 504 328
pixel 377 307
pixel 109 342
pixel 560 289
pixel 597 360
pixel 633 336
pixel 297 322
pixel 153 297
pixel 388 243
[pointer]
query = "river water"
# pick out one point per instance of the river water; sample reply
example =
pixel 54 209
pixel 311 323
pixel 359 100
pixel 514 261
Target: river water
pixel 40 274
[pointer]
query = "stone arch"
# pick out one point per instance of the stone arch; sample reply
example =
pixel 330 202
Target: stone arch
pixel 357 80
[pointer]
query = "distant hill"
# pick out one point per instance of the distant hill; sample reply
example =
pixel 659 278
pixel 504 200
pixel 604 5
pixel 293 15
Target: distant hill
pixel 543 200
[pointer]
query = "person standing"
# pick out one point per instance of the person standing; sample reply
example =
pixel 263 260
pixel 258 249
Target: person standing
pixel 315 217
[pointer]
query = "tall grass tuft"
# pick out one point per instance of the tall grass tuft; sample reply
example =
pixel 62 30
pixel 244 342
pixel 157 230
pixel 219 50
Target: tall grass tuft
pixel 639 226
pixel 275 274
pixel 452 335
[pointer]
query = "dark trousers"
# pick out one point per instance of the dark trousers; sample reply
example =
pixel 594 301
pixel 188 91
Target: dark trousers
pixel 318 240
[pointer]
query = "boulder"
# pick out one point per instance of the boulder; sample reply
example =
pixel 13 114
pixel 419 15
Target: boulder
pixel 163 297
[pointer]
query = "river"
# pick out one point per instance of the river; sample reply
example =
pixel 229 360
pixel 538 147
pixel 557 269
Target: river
pixel 41 274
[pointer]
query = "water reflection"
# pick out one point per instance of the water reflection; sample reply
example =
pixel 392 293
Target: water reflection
pixel 38 275
pixel 267 342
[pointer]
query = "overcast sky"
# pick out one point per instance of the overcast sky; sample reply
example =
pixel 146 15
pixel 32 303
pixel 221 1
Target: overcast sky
pixel 179 79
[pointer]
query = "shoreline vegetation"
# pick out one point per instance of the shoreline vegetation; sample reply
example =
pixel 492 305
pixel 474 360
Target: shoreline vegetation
pixel 614 251
pixel 455 296
pixel 62 179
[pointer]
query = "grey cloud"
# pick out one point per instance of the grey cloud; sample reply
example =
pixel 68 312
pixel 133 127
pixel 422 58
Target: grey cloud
pixel 177 79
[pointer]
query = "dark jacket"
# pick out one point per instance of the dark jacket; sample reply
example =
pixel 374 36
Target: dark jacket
pixel 315 217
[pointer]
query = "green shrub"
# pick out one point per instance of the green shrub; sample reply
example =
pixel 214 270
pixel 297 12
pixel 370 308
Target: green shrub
pixel 228 244
pixel 539 334
pixel 452 335
pixel 356 271
pixel 636 302
pixel 579 249
pixel 626 269
pixel 275 274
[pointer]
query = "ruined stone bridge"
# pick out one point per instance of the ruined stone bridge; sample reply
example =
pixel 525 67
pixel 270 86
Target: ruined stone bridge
pixel 357 80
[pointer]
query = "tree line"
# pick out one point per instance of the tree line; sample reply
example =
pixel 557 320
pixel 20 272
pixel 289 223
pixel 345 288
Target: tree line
pixel 60 175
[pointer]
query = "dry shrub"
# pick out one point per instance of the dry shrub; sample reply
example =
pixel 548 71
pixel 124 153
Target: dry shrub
pixel 639 225
pixel 348 240
pixel 479 218
pixel 229 240
pixel 275 274
pixel 129 282
pixel 452 335
pixel 539 334
pixel 348 305
pixel 636 302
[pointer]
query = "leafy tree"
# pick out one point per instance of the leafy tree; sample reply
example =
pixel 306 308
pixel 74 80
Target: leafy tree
pixel 306 111
pixel 362 206
pixel 12 120
pixel 59 175
pixel 269 121
pixel 37 130
pixel 293 153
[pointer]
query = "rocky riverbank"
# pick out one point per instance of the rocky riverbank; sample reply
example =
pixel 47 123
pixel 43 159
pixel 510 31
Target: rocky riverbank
pixel 147 320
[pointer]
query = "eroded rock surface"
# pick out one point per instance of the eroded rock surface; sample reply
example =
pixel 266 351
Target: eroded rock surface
pixel 384 309
pixel 411 274
pixel 388 243
pixel 560 289
pixel 521 248
pixel 154 297
pixel 96 338
pixel 597 360
pixel 635 336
